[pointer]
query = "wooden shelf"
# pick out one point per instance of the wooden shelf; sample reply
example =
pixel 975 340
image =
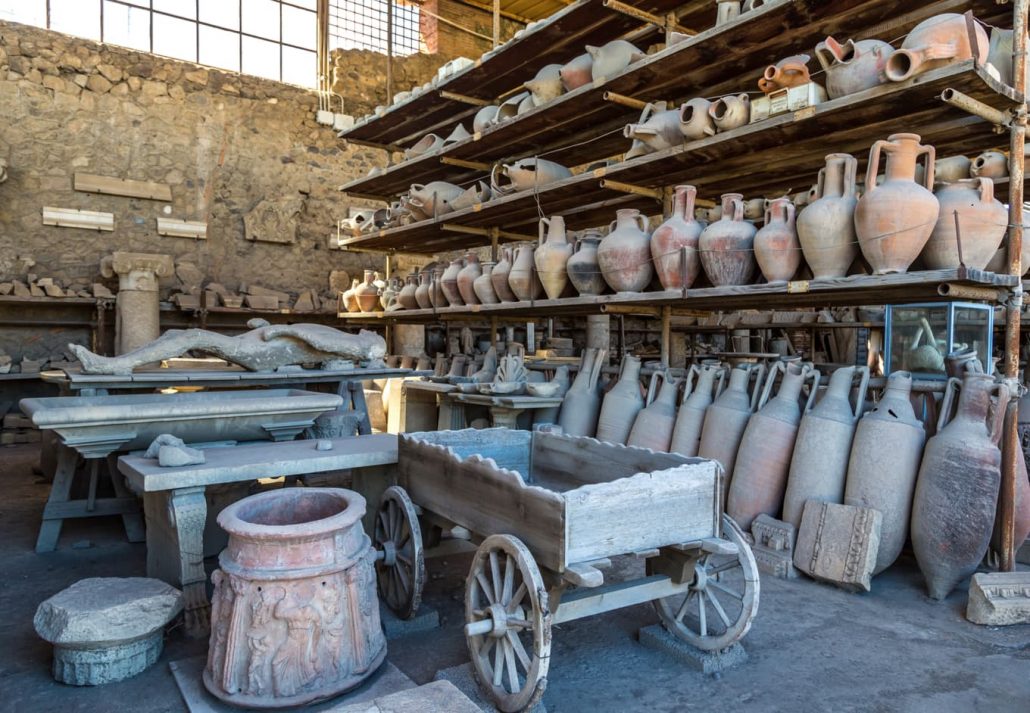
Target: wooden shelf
pixel 778 155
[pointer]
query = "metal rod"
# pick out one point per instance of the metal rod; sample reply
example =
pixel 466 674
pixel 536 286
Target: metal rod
pixel 967 292
pixel 463 98
pixel 389 52
pixel 664 23
pixel 975 107
pixel 475 165
pixel 624 100
pixel 630 188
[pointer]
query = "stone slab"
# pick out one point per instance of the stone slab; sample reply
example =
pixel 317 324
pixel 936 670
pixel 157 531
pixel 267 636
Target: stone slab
pixel 188 677
pixel 425 619
pixel 708 662
pixel 999 598
pixel 465 681
pixel 838 544
pixel 773 546
pixel 435 697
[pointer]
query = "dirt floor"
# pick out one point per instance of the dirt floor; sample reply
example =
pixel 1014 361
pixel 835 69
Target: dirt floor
pixel 812 647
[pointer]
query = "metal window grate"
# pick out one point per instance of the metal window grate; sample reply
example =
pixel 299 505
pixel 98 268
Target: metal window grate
pixel 361 24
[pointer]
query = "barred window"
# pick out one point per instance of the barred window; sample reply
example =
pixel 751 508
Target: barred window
pixel 361 24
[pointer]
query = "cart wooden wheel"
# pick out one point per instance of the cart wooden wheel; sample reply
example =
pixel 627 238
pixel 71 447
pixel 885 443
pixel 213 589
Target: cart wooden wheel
pixel 508 624
pixel 401 566
pixel 718 608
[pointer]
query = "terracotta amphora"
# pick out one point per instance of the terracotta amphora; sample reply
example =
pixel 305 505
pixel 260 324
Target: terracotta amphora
pixel 621 404
pixel 989 164
pixel 388 295
pixel 894 220
pixel 484 285
pixel 658 128
pixel 499 277
pixel 730 111
pixel 436 294
pixel 653 425
pixel 777 249
pixel 695 120
pixel 819 466
pixel 367 294
pixel 703 384
pixel 583 268
pixel 999 263
pixel 484 118
pixel 951 169
pixel 727 417
pixel 933 43
pixel 422 291
pixel 522 278
pixel 612 58
pixel 727 245
pixel 550 415
pixel 852 66
pixel 467 276
pixel 826 226
pixel 674 243
pixel 525 174
pixel 726 11
pixel 350 297
pixel 546 85
pixel 433 199
pixel 957 489
pixel 788 72
pixel 625 253
pixel 760 473
pixel 982 222
pixel 1022 515
pixel 582 402
pixel 449 283
pixel 577 72
pixel 406 297
pixel 551 256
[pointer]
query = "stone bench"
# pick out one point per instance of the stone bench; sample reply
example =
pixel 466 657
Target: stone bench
pixel 175 505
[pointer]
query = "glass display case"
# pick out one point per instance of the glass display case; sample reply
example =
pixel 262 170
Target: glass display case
pixel 920 336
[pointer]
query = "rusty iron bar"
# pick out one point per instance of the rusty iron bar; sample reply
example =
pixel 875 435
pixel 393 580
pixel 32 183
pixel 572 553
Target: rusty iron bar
pixel 667 336
pixel 630 188
pixel 463 98
pixel 975 107
pixel 474 165
pixel 665 23
pixel 967 292
pixel 624 100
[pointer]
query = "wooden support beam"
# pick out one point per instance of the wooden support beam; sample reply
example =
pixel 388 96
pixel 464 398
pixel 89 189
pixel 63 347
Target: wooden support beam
pixel 463 98
pixel 374 145
pixel 475 165
pixel 630 188
pixel 664 22
pixel 666 335
pixel 624 100
pixel 470 230
pixel 640 311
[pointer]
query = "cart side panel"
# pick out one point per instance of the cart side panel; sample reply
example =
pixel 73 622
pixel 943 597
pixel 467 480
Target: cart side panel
pixel 578 460
pixel 478 495
pixel 507 447
pixel 643 511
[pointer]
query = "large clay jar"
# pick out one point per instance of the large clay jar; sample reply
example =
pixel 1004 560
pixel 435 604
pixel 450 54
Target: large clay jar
pixel 582 403
pixel 294 615
pixel 484 285
pixel 436 294
pixel 551 255
pixel 499 277
pixel 612 58
pixel 695 120
pixel 777 249
pixel 852 66
pixel 653 425
pixel 577 72
pixel 884 462
pixel 467 276
pixel 703 384
pixel 957 489
pixel 388 295
pixel 674 243
pixel 449 283
pixel 787 73
pixel 727 417
pixel 894 220
pixel 730 111
pixel 819 467
pixel 727 245
pixel 621 404
pixel 422 291
pixel 826 226
pixel 657 128
pixel 583 269
pixel 406 297
pixel 522 278
pixel 990 164
pixel 982 221
pixel 550 415
pixel 350 297
pixel 625 253
pixel 760 473
pixel 367 294
pixel 933 43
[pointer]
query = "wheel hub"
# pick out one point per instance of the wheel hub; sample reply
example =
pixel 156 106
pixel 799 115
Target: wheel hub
pixel 389 553
pixel 499 616
pixel 700 577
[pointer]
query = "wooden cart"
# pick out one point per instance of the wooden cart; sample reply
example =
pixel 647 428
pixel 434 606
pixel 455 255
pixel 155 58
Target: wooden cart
pixel 548 512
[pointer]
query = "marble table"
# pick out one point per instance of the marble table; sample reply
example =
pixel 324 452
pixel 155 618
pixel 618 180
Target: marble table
pixel 504 410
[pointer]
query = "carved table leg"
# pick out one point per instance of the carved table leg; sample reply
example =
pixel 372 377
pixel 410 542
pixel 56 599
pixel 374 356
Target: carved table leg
pixel 504 417
pixel 131 521
pixel 357 392
pixel 60 492
pixel 175 549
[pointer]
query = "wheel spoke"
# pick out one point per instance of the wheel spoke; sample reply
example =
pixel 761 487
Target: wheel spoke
pixel 681 612
pixel 386 526
pixel 725 566
pixel 509 579
pixel 498 664
pixel 485 586
pixel 719 610
pixel 509 660
pixel 520 650
pixel 495 576
pixel 726 590
pixel 517 598
pixel 402 575
pixel 404 558
pixel 702 613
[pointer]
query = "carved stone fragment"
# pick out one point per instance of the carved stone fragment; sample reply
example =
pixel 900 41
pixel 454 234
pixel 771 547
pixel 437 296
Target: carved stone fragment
pixel 774 546
pixel 999 598
pixel 274 220
pixel 137 309
pixel 838 544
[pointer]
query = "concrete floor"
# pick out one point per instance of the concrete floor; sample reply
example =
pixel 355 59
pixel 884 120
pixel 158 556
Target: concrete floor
pixel 812 647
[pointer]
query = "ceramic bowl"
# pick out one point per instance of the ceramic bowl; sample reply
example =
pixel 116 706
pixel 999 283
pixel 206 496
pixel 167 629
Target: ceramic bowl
pixel 546 389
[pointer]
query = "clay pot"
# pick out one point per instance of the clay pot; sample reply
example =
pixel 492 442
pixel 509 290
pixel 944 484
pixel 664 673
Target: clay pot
pixel 933 43
pixel 727 417
pixel 990 164
pixel 499 278
pixel 653 425
pixel 624 255
pixel 894 220
pixel 526 174
pixel 727 245
pixel 621 404
pixel 731 111
pixel 484 118
pixel 509 108
pixel 433 199
pixel 884 461
pixel 582 402
pixel 422 291
pixel 426 144
pixel 484 285
pixel 674 243
pixel 999 263
pixel 657 128
pixel 760 473
pixel 982 221
pixel 436 295
pixel 726 11
pixel 467 276
pixel 522 278
pixel 449 283
pixel 612 58
pixel 826 226
pixel 294 615
pixel 551 255
pixel 788 72
pixel 387 297
pixel 951 169
pixel 703 384
pixel 350 297
pixel 819 466
pixel 957 490
pixel 546 85
pixel 406 297
pixel 777 249
pixel 577 72
pixel 695 119
pixel 583 269
pixel 367 294
pixel 853 66
pixel 1022 514
pixel 476 193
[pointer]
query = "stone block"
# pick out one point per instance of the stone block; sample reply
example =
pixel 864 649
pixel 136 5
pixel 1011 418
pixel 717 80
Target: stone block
pixel 435 697
pixel 465 681
pixel 17 420
pixel 838 544
pixel 36 291
pixel 262 302
pixel 339 281
pixel 999 598
pixel 304 303
pixel 101 291
pixel 20 289
pixel 6 288
pixel 708 662
pixel 425 619
pixel 274 220
pixel 53 290
pixel 98 84
pixel 110 72
pixel 259 291
pixel 31 366
pixel 774 546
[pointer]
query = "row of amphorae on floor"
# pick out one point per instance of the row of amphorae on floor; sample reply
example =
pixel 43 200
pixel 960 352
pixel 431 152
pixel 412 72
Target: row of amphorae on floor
pixel 781 447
